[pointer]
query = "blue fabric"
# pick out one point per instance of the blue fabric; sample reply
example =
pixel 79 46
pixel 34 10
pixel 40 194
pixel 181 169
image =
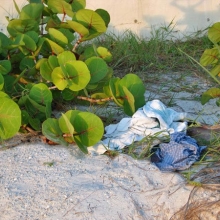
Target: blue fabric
pixel 179 154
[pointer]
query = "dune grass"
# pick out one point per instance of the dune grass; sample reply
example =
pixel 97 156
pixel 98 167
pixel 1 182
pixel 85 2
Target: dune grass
pixel 158 53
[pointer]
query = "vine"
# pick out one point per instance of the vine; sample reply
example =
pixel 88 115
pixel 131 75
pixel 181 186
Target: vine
pixel 40 61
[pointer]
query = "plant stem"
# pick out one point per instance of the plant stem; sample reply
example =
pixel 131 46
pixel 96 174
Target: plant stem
pixel 64 15
pixel 94 100
pixel 52 87
pixel 76 44
pixel 35 61
pixel 67 135
pixel 29 129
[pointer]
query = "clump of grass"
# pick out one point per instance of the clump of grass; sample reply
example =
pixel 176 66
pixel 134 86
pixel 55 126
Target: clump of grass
pixel 204 197
pixel 111 153
pixel 158 53
pixel 49 164
pixel 143 149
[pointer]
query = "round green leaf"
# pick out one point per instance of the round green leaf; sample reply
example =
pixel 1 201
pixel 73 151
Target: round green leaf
pixel 98 68
pixel 2 94
pixel 214 32
pixel 82 147
pixel 89 127
pixel 65 57
pixel 114 91
pixel 91 87
pixel 104 54
pixel 215 71
pixel 57 49
pixel 52 131
pixel 79 28
pixel 5 66
pixel 25 117
pixel 68 94
pixel 27 63
pixel 46 66
pixel 129 101
pixel 71 114
pixel 10 118
pixel 34 108
pixel 99 86
pixel 4 43
pixel 65 125
pixel 78 75
pixel 59 78
pixel 78 4
pixel 75 75
pixel 210 94
pixel 209 56
pixel 92 21
pixel 18 26
pixel 26 43
pixel 88 52
pixel 69 35
pixel 41 47
pixel 53 62
pixel 33 35
pixel 35 123
pixel 32 11
pixel 60 7
pixel 41 94
pixel 22 100
pixel 57 36
pixel 40 62
pixel 135 86
pixel 45 69
pixel 9 86
pixel 105 15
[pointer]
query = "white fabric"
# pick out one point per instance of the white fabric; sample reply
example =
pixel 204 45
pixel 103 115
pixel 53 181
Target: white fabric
pixel 154 117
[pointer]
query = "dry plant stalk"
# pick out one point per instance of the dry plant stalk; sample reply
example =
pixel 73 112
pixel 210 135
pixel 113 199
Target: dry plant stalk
pixel 204 201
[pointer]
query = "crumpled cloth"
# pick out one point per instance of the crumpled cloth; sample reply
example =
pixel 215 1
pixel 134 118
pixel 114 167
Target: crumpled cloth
pixel 153 118
pixel 179 154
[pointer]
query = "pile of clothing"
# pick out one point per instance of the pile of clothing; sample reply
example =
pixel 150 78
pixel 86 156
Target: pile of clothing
pixel 155 118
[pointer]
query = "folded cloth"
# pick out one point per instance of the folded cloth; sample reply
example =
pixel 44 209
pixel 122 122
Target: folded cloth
pixel 152 118
pixel 179 154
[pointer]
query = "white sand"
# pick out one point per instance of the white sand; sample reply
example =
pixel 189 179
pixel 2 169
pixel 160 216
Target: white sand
pixel 84 187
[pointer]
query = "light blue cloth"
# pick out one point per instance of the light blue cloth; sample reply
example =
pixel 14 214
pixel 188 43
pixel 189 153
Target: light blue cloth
pixel 153 118
pixel 166 116
pixel 179 154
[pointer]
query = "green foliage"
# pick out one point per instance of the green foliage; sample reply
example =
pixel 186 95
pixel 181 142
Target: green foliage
pixel 40 61
pixel 83 128
pixel 10 117
pixel 211 94
pixel 211 59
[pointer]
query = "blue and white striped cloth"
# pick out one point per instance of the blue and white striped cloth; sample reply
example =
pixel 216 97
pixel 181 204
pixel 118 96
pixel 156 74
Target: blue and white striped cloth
pixel 179 154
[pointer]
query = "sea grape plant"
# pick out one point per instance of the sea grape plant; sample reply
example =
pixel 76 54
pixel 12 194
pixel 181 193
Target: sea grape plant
pixel 40 62
pixel 211 59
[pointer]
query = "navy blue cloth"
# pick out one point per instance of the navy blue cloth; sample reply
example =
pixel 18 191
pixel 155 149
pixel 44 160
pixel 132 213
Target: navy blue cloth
pixel 179 154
